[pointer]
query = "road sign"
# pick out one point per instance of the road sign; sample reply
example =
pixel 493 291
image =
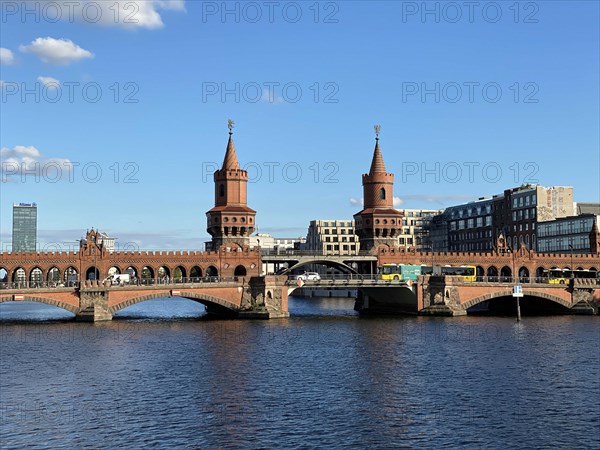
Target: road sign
pixel 517 291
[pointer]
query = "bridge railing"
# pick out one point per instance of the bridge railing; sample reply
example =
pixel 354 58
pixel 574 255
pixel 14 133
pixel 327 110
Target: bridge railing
pixel 314 253
pixel 38 284
pixel 133 282
pixel 335 277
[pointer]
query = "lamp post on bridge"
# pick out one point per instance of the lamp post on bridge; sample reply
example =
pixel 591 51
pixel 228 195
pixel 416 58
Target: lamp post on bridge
pixel 572 282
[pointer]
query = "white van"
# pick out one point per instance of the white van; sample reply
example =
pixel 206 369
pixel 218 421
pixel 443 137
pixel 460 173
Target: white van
pixel 119 279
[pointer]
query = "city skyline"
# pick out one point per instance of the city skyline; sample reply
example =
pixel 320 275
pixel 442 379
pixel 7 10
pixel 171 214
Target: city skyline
pixel 138 162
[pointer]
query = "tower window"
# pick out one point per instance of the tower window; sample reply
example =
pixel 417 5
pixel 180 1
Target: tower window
pixel 382 194
pixel 221 190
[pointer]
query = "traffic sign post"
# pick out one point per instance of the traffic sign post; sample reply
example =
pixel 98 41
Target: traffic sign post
pixel 518 293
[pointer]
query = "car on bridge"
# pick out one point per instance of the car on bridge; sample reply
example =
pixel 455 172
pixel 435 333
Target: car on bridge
pixel 309 276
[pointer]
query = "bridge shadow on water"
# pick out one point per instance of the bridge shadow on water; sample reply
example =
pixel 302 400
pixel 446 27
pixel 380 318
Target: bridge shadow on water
pixel 507 306
pixel 33 312
pixel 178 309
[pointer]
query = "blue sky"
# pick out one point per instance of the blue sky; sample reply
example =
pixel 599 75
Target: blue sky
pixel 470 103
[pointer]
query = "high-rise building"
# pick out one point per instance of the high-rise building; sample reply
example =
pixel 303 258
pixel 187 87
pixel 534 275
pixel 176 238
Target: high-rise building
pixel 24 231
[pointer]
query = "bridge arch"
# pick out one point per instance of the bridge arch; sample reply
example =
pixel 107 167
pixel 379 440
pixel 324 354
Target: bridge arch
pixel 479 272
pixel 524 274
pixel 212 271
pixel 71 275
pixel 132 271
pixel 163 271
pixel 508 293
pixel 215 303
pixel 47 301
pixel 179 273
pixel 240 271
pixel 92 273
pixel 195 272
pixel 36 276
pixel 147 273
pixel 53 275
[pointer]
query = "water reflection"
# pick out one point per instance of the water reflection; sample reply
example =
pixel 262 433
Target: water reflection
pixel 324 377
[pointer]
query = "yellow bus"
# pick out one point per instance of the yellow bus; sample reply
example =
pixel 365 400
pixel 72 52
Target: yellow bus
pixel 468 273
pixel 563 276
pixel 407 272
pixel 389 272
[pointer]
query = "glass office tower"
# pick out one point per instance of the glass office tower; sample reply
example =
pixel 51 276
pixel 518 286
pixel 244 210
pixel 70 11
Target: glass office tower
pixel 24 234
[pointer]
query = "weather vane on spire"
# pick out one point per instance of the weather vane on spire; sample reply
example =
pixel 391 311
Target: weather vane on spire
pixel 230 124
pixel 377 131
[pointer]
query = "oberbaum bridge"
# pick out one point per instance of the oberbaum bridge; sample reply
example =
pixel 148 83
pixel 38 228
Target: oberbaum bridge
pixel 230 282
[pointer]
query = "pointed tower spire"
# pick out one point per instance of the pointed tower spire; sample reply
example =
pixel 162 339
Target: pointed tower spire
pixel 377 165
pixel 230 161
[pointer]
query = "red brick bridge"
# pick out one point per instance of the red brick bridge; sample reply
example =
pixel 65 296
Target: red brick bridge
pixel 50 277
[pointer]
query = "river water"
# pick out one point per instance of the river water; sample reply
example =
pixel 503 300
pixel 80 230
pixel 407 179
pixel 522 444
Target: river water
pixel 325 378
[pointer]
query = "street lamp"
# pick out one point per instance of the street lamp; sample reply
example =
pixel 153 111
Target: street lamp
pixel 572 270
pixel 96 274
pixel 572 274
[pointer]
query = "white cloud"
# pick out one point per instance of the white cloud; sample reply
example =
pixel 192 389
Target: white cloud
pixel 359 201
pixel 49 82
pixel 28 161
pixel 6 57
pixel 439 199
pixel 118 13
pixel 139 14
pixel 269 96
pixel 56 51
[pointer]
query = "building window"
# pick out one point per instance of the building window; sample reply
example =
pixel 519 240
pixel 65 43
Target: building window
pixel 382 194
pixel 221 190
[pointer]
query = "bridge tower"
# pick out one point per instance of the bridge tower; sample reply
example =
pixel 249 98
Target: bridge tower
pixel 378 224
pixel 230 222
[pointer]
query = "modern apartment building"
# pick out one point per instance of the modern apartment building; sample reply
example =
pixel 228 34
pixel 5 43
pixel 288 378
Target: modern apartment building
pixel 567 234
pixel 513 215
pixel 415 228
pixel 332 237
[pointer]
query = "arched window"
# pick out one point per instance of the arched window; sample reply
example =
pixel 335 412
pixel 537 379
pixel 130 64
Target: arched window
pixel 382 194
pixel 221 190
